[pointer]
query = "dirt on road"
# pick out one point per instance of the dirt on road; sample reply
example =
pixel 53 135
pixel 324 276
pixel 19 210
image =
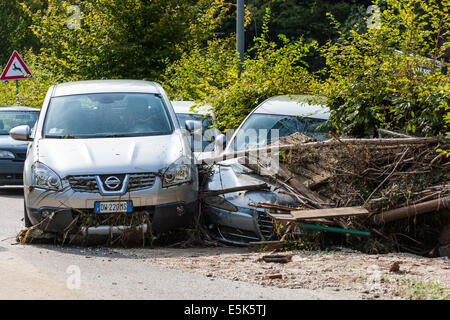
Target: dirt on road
pixel 387 276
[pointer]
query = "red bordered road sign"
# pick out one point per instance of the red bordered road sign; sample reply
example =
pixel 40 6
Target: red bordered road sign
pixel 16 69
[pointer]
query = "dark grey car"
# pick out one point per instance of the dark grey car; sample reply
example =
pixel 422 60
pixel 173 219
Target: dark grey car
pixel 12 152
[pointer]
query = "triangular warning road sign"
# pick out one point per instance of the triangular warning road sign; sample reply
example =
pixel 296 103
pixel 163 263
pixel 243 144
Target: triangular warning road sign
pixel 16 69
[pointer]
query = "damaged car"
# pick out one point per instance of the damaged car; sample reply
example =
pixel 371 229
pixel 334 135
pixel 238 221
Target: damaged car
pixel 108 148
pixel 229 216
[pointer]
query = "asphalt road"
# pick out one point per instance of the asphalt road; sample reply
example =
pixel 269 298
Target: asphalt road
pixel 42 271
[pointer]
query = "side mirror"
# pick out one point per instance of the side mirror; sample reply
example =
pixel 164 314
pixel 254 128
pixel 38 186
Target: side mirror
pixel 220 142
pixel 192 125
pixel 21 133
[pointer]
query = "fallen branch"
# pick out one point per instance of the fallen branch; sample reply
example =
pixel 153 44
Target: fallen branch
pixel 212 193
pixel 271 206
pixel 319 144
pixel 411 211
pixel 390 133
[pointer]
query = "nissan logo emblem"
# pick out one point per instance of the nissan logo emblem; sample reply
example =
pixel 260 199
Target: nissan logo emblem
pixel 112 182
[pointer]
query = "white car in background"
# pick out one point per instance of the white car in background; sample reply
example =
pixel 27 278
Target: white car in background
pixel 202 141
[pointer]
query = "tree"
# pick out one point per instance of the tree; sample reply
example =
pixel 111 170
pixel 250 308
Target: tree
pixel 210 74
pixel 14 31
pixel 391 76
pixel 117 38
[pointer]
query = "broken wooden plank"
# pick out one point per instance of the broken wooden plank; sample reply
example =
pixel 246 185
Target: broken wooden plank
pixel 278 258
pixel 297 183
pixel 282 217
pixel 212 193
pixel 273 206
pixel 329 213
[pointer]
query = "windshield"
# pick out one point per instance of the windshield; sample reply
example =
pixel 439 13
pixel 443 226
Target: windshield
pixel 11 119
pixel 256 131
pixel 106 115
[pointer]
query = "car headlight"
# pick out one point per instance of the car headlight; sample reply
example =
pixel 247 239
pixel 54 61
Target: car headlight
pixel 44 177
pixel 177 173
pixel 6 154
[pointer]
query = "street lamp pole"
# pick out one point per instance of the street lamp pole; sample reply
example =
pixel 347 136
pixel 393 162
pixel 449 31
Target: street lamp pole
pixel 240 37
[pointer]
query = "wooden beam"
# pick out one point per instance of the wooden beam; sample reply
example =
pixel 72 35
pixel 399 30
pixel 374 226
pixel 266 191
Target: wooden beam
pixel 329 213
pixel 212 193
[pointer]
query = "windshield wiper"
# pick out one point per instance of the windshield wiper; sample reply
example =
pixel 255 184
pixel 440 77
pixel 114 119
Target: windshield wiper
pixel 66 136
pixel 114 135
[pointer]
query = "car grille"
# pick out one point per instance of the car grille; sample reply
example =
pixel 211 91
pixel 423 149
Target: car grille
pixel 11 176
pixel 83 183
pixel 265 224
pixel 137 181
pixel 88 183
pixel 237 236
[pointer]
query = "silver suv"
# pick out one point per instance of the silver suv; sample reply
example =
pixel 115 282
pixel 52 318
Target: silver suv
pixel 108 147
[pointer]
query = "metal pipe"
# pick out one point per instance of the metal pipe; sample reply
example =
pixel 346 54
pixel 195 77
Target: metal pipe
pixel 105 230
pixel 332 229
pixel 240 35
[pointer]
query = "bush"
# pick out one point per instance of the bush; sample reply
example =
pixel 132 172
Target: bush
pixel 381 78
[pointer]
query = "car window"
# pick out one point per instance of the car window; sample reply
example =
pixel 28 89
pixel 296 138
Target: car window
pixel 106 115
pixel 204 119
pixel 257 129
pixel 11 119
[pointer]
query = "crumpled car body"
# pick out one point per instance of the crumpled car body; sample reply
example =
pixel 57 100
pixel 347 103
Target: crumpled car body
pixel 229 216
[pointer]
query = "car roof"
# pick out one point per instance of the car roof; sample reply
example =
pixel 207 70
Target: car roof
pixel 104 86
pixel 294 105
pixel 185 107
pixel 18 108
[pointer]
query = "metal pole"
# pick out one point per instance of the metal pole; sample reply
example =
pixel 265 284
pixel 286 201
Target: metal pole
pixel 240 36
pixel 17 88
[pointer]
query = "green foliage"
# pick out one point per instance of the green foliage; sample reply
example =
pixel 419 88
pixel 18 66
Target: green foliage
pixel 381 78
pixel 117 39
pixel 211 75
pixel 14 31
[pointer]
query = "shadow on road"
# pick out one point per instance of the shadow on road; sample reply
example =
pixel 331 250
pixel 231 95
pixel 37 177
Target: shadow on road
pixel 15 192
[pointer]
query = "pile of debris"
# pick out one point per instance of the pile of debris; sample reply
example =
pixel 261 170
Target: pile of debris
pixel 395 190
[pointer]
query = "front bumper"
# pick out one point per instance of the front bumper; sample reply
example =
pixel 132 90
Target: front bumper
pixel 11 172
pixel 167 208
pixel 162 217
pixel 240 227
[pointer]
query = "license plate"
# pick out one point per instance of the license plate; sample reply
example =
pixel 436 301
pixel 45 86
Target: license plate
pixel 113 206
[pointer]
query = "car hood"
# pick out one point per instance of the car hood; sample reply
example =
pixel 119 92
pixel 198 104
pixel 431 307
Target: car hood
pixel 110 155
pixel 231 173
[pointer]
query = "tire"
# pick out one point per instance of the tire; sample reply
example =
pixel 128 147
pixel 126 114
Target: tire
pixel 26 220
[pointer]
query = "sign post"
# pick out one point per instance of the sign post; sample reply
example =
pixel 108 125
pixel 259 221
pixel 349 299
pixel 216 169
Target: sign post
pixel 16 69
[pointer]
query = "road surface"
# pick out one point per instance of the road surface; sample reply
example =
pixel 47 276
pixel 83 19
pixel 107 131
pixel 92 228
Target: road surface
pixel 43 271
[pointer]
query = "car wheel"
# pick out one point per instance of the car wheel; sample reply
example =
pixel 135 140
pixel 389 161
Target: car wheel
pixel 26 220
